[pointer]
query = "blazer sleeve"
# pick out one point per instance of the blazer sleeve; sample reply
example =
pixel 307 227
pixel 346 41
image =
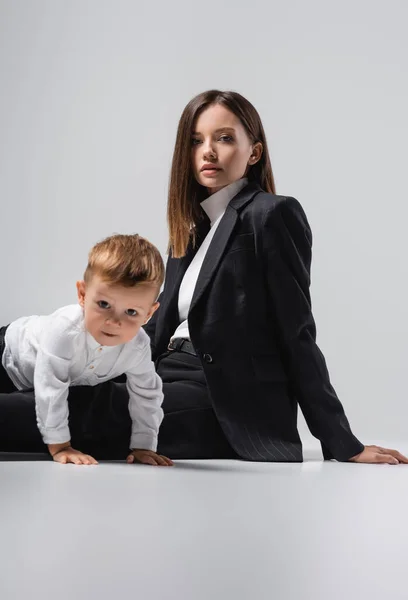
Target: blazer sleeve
pixel 287 247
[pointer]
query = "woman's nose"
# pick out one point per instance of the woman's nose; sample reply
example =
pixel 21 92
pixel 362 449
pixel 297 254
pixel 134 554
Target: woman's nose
pixel 209 151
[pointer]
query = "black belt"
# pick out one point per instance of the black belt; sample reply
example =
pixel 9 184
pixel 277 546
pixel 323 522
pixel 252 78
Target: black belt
pixel 182 345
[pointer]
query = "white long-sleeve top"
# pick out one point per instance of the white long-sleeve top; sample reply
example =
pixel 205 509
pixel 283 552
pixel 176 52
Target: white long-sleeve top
pixel 215 207
pixel 53 352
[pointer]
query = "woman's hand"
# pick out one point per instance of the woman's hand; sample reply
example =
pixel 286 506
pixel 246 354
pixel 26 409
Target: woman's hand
pixel 66 454
pixel 376 454
pixel 148 457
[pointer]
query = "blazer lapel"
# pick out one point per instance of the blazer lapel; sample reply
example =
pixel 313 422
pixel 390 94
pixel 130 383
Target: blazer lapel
pixel 220 240
pixel 176 268
pixel 175 271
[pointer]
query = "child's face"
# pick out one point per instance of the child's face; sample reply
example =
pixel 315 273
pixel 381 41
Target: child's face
pixel 114 313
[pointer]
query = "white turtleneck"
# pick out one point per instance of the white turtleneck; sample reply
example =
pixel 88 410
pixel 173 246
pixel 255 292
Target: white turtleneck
pixel 215 207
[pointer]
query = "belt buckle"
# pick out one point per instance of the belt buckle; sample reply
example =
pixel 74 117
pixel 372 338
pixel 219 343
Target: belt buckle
pixel 173 345
pixel 176 344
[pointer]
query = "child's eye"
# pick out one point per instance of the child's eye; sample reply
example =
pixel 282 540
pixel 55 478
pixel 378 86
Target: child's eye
pixel 131 312
pixel 103 304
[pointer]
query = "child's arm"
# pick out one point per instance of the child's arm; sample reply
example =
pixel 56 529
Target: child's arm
pixel 145 400
pixel 51 385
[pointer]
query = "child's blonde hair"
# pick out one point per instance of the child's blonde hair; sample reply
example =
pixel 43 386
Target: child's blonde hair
pixel 126 260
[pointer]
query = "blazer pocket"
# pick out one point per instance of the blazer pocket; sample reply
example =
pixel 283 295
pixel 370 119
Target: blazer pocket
pixel 268 367
pixel 243 241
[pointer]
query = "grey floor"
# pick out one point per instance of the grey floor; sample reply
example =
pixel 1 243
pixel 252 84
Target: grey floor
pixel 204 530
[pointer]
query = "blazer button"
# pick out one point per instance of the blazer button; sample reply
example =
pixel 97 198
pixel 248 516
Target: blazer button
pixel 208 358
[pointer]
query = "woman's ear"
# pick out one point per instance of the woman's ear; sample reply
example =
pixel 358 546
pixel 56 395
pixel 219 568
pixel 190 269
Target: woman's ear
pixel 80 285
pixel 256 154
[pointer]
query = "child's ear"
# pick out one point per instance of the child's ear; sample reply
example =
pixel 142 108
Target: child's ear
pixel 155 306
pixel 80 285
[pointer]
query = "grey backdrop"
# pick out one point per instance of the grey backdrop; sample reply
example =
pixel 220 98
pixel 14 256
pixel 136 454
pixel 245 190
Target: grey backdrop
pixel 91 93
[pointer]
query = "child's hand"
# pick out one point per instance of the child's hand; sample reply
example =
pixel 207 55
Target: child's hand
pixel 69 455
pixel 148 457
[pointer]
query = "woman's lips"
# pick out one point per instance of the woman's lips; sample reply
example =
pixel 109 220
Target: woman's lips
pixel 210 172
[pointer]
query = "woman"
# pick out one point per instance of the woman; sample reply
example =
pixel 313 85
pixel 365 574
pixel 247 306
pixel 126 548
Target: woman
pixel 234 337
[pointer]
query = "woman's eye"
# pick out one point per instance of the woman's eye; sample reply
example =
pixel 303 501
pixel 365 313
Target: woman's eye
pixel 131 312
pixel 195 141
pixel 103 304
pixel 226 138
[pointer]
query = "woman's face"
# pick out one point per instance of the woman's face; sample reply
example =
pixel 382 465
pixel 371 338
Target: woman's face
pixel 221 149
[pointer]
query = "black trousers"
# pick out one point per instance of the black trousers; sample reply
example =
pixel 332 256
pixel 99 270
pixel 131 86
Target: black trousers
pixel 99 418
pixel 6 385
pixel 190 428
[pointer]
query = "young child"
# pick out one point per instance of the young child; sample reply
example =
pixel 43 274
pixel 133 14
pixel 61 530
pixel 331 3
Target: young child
pixel 91 342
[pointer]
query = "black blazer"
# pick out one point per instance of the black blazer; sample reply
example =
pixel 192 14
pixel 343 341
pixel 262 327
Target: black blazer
pixel 251 324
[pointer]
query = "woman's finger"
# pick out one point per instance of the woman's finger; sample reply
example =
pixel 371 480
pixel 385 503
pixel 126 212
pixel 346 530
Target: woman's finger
pixel 385 458
pixel 168 461
pixel 403 459
pixel 395 454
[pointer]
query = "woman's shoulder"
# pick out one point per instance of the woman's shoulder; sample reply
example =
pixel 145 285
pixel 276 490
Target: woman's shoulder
pixel 265 204
pixel 269 211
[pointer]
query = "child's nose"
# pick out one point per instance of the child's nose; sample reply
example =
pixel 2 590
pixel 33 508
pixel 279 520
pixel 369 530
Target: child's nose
pixel 113 319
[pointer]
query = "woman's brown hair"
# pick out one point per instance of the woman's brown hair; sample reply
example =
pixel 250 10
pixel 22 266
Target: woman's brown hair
pixel 185 193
